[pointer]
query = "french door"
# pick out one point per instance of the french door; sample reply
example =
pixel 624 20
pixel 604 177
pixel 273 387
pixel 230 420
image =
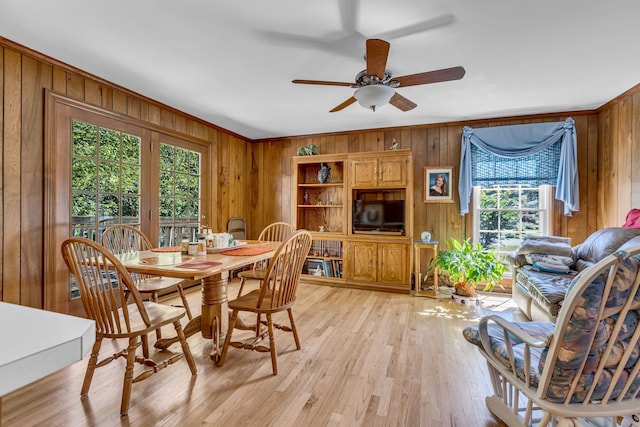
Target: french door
pixel 102 169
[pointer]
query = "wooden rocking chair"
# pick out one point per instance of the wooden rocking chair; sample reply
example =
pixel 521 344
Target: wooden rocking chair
pixel 585 366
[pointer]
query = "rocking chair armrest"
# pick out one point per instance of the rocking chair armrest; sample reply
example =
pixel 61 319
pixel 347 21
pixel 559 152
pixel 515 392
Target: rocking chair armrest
pixel 508 328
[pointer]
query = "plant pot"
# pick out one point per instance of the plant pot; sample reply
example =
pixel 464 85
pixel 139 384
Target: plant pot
pixel 465 290
pixel 445 279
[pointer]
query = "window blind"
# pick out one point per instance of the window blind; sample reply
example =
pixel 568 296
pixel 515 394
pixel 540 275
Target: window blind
pixel 536 169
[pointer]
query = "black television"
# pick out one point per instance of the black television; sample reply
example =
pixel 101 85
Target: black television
pixel 372 216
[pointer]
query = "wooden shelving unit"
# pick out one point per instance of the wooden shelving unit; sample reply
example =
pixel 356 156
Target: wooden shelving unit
pixel 322 209
pixel 320 204
pixel 340 256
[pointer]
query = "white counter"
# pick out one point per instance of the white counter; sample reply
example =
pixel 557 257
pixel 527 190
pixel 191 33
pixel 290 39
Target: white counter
pixel 35 343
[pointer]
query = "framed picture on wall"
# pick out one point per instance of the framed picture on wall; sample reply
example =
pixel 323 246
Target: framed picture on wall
pixel 438 184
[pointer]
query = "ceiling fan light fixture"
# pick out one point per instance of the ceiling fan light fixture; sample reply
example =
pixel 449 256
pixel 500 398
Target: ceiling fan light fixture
pixel 373 96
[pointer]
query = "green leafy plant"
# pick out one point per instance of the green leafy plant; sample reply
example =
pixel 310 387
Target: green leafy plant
pixel 464 264
pixel 308 150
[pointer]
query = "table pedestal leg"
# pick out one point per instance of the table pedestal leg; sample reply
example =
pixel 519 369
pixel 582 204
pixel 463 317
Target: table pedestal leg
pixel 214 320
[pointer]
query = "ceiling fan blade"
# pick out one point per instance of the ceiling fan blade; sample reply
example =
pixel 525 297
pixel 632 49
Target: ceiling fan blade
pixel 293 40
pixel 444 75
pixel 322 82
pixel 344 105
pixel 401 102
pixel 347 45
pixel 377 53
pixel 429 24
pixel 348 15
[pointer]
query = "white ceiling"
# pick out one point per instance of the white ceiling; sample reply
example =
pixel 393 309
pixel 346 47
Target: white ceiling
pixel 228 61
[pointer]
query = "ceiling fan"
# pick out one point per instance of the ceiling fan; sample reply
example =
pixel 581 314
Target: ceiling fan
pixel 376 86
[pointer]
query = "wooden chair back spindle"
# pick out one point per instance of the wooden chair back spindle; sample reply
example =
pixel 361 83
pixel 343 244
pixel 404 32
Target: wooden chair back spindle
pixel 283 274
pixel 123 238
pixel 275 232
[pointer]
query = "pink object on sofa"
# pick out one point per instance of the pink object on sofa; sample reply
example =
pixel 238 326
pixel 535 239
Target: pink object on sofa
pixel 633 219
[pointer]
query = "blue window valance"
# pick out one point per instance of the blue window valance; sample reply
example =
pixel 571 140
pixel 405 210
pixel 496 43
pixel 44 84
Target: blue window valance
pixel 523 141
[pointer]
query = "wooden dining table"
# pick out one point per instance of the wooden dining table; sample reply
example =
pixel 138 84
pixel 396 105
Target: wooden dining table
pixel 212 270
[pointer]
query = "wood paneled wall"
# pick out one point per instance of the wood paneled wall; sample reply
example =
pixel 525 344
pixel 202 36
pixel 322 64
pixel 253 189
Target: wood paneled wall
pixel 435 146
pixel 619 158
pixel 24 76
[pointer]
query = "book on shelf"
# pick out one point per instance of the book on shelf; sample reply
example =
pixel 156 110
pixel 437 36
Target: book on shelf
pixel 337 267
pixel 328 268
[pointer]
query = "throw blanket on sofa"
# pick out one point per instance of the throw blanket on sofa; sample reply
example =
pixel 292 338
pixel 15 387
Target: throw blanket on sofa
pixel 549 259
pixel 548 245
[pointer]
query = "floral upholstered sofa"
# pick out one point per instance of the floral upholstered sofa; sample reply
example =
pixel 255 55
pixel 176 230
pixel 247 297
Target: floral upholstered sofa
pixel 544 267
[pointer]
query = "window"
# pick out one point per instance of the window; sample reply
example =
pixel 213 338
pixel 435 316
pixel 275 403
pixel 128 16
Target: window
pixel 105 179
pixel 179 193
pixel 504 214
pixel 106 170
pixel 533 154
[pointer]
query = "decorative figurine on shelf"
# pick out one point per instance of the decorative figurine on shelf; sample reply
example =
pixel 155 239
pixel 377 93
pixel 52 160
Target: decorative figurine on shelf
pixel 426 236
pixel 324 173
pixel 326 254
pixel 394 145
pixel 321 228
pixel 306 198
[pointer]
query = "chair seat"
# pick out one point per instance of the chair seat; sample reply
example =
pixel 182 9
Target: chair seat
pixel 249 302
pixel 159 315
pixel 499 345
pixel 252 274
pixel 157 283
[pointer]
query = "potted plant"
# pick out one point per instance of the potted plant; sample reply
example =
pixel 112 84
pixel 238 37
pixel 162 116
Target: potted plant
pixel 309 150
pixel 464 266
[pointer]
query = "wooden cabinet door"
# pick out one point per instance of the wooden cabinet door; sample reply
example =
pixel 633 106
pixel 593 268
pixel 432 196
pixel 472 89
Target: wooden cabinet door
pixel 388 171
pixel 392 171
pixel 364 173
pixel 362 261
pixel 393 263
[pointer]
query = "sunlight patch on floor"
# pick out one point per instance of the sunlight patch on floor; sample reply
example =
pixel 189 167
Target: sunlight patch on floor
pixel 472 309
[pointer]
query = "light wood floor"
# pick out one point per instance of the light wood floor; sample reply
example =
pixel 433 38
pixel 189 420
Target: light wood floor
pixel 367 359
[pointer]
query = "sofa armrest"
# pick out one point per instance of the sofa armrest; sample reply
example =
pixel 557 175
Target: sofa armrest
pixel 515 260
